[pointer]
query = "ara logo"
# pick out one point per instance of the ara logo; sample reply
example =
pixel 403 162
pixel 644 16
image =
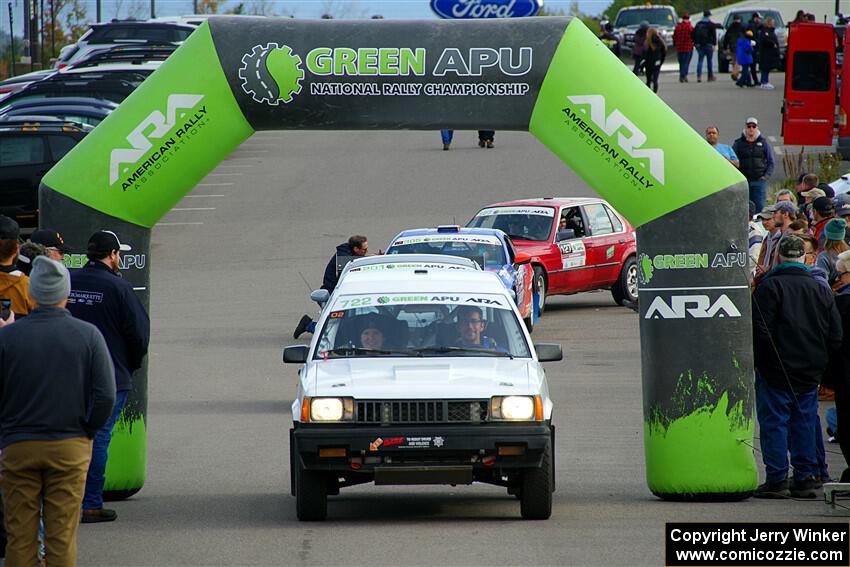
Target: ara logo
pixel 696 306
pixel 485 8
pixel 629 137
pixel 157 126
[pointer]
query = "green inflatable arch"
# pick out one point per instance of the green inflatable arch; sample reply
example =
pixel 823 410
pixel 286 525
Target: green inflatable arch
pixel 548 76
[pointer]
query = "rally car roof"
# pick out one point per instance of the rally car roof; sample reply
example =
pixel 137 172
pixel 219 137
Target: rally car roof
pixel 421 281
pixel 548 202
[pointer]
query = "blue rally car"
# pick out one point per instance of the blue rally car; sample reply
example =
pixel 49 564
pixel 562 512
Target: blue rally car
pixel 491 248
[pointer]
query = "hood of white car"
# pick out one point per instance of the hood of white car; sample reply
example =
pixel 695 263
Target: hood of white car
pixel 401 378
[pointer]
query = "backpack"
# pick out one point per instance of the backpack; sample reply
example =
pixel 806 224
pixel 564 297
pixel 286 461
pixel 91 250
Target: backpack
pixel 702 33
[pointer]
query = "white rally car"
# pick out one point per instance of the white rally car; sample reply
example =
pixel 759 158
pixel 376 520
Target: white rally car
pixel 423 376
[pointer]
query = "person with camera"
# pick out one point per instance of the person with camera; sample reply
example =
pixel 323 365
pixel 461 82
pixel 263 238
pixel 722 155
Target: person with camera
pixel 101 297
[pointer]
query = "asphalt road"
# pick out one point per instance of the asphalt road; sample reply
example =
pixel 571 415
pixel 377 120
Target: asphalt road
pixel 227 291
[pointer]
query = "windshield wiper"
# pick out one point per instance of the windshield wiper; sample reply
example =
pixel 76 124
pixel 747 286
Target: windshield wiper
pixel 349 350
pixel 447 349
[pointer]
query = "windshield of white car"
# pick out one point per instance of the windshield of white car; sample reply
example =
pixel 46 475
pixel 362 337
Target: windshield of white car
pixel 655 17
pixel 421 325
pixel 487 252
pixel 747 16
pixel 520 223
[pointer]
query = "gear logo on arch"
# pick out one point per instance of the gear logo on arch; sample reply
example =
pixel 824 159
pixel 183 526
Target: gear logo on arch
pixel 271 73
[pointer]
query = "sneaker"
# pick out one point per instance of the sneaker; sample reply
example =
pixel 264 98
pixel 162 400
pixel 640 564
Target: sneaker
pixel 489 143
pixel 481 143
pixel 772 490
pixel 711 78
pixel 699 79
pixel 681 79
pixel 97 515
pixel 768 86
pixel 302 325
pixel 445 148
pixel 805 488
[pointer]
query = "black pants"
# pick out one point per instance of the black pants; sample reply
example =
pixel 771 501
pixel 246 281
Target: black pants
pixel 485 135
pixel 639 61
pixel 652 77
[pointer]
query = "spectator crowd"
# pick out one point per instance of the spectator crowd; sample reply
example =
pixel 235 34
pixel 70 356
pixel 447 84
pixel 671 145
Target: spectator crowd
pixel 799 250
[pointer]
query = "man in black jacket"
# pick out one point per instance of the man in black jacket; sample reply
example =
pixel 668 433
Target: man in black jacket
pixel 356 246
pixel 705 40
pixel 755 156
pixel 796 328
pixel 57 387
pixel 101 297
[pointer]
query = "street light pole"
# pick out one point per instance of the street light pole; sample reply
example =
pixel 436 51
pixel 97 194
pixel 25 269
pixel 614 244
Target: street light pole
pixel 97 10
pixel 153 9
pixel 12 40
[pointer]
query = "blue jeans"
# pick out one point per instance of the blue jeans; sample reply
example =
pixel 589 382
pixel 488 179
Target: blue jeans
pixel 758 190
pixel 93 497
pixel 705 52
pixel 781 418
pixel 765 75
pixel 684 63
pixel 447 135
pixel 748 71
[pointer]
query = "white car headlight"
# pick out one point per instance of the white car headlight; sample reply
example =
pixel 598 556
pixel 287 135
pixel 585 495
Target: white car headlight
pixel 331 409
pixel 516 408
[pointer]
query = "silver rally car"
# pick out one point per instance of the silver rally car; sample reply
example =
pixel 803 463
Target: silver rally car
pixel 421 375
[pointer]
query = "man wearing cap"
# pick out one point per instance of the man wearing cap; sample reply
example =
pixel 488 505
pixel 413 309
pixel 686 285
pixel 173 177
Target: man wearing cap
pixel 784 213
pixel 684 44
pixel 51 240
pixel 796 328
pixel 823 211
pixel 14 283
pixel 705 40
pixel 756 160
pixel 58 389
pixel 101 297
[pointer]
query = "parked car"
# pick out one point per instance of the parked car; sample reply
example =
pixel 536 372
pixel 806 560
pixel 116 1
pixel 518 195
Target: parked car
pixel 18 82
pixel 122 33
pixel 29 147
pixel 421 376
pixel 127 54
pixel 595 250
pixel 662 17
pixel 489 248
pixel 723 57
pixel 114 81
pixel 71 109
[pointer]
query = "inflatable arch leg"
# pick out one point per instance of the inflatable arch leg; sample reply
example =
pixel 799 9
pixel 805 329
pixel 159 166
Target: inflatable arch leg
pixel 549 76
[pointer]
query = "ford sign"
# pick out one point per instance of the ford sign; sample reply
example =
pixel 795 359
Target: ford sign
pixel 475 9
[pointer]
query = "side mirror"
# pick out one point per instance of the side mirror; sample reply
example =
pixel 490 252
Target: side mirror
pixel 522 258
pixel 320 296
pixel 295 354
pixel 547 352
pixel 565 234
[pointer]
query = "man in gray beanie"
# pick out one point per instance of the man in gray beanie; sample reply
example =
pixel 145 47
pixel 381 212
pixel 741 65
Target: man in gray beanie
pixel 58 387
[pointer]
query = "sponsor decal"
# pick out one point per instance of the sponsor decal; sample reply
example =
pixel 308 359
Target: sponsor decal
pixel 627 154
pixel 128 261
pixel 406 443
pixel 273 74
pixel 171 131
pixel 355 302
pixel 573 254
pixel 695 306
pixel 687 261
pixel 465 238
pixel 481 9
pixel 609 253
pixel 409 266
pixel 538 211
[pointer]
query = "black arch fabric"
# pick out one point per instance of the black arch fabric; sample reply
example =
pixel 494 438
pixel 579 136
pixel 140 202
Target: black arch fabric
pixel 549 76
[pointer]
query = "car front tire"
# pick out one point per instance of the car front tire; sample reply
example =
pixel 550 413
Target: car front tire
pixel 540 285
pixel 535 496
pixel 311 494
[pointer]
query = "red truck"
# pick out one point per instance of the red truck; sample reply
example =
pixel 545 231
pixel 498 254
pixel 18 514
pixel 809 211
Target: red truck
pixel 815 107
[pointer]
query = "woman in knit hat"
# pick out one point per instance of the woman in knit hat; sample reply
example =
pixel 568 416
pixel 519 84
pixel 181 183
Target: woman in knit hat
pixel 834 245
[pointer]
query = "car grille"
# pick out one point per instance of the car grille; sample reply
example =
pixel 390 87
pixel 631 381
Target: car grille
pixel 390 412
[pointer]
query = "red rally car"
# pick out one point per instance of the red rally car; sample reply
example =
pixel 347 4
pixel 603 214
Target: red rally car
pixel 575 244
